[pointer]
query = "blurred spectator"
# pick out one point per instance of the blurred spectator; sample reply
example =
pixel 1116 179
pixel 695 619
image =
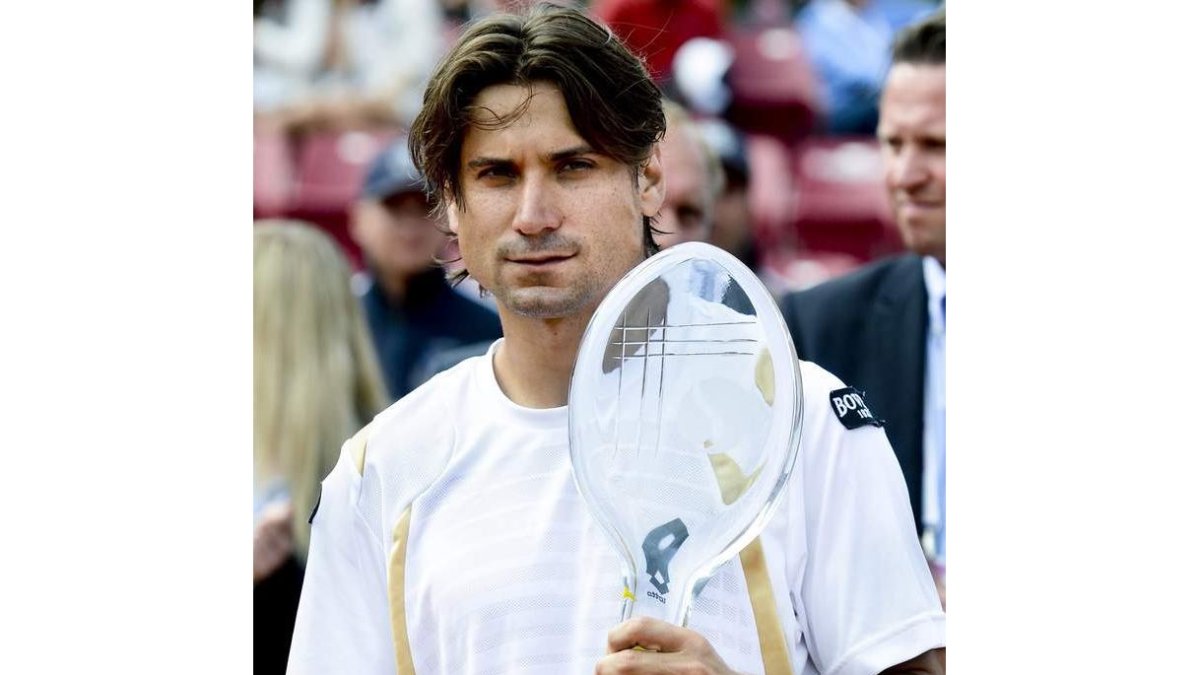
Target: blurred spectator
pixel 343 64
pixel 413 312
pixel 316 382
pixel 694 179
pixel 655 29
pixel 733 227
pixel 847 42
pixel 883 328
pixel 700 74
pixel 458 13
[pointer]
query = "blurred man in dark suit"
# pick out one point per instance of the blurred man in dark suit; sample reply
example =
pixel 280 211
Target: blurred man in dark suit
pixel 882 329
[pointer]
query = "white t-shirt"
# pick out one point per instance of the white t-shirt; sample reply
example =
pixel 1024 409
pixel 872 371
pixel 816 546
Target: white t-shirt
pixel 504 570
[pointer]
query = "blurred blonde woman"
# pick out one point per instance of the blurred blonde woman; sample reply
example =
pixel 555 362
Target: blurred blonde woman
pixel 316 382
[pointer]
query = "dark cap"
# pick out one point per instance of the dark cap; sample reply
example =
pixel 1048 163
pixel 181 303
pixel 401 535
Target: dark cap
pixel 392 173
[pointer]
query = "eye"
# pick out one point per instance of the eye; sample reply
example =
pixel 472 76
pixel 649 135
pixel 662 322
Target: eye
pixel 576 165
pixel 496 175
pixel 690 217
pixel 935 144
pixel 495 171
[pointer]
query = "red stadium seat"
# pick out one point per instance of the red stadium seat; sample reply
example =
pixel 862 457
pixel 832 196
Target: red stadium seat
pixel 842 202
pixel 771 191
pixel 273 174
pixel 329 172
pixel 774 89
pixel 330 167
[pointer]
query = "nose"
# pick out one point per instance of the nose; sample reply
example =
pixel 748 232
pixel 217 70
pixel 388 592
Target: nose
pixel 907 168
pixel 537 212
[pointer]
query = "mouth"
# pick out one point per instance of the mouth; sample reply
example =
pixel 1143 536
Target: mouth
pixel 921 203
pixel 541 260
pixel 917 208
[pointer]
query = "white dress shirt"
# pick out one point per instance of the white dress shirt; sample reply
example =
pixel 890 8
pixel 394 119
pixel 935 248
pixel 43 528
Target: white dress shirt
pixel 934 476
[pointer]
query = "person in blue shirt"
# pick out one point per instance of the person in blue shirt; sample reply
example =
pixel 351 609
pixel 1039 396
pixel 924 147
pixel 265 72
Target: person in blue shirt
pixel 848 43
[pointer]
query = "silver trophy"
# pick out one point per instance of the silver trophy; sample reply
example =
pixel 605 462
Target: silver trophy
pixel 685 419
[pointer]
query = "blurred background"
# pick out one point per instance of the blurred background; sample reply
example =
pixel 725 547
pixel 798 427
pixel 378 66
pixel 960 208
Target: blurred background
pixel 350 313
pixel 785 91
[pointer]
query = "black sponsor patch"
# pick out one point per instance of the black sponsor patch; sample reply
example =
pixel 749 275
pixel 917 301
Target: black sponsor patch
pixel 851 409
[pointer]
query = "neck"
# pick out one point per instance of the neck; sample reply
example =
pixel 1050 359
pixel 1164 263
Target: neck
pixel 533 364
pixel 394 287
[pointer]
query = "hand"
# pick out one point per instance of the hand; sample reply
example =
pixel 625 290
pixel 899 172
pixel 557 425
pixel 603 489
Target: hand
pixel 665 648
pixel 272 539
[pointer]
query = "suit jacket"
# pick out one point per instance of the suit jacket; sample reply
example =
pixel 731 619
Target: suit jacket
pixel 868 328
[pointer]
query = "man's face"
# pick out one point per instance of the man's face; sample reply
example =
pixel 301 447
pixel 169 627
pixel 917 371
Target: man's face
pixel 547 224
pixel 687 213
pixel 396 234
pixel 912 130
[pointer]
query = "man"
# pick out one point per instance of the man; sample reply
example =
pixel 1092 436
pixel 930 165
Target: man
pixel 882 328
pixel 695 180
pixel 451 538
pixel 413 313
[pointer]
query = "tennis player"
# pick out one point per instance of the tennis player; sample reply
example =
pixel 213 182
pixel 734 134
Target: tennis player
pixel 450 537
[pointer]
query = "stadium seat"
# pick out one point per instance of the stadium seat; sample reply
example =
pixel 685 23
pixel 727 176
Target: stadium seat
pixel 273 174
pixel 329 173
pixel 774 89
pixel 842 202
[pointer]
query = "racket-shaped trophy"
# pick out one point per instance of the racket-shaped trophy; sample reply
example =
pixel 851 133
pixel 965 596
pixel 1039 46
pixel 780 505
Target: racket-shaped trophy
pixel 685 417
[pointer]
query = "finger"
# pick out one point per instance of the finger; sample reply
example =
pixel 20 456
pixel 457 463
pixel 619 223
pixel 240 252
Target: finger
pixel 648 633
pixel 630 661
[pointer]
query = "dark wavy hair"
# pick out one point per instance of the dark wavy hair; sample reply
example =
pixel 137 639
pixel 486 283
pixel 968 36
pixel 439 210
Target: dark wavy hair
pixel 613 103
pixel 922 43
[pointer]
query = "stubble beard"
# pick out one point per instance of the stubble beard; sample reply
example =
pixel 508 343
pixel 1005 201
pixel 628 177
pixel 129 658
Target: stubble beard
pixel 542 302
pixel 569 298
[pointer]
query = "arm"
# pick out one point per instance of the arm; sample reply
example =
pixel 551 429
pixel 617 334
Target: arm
pixel 869 599
pixel 343 624
pixel 272 540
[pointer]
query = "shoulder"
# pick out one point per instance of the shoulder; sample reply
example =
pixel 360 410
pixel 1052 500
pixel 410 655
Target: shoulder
pixel 843 300
pixel 408 445
pixel 423 413
pixel 832 409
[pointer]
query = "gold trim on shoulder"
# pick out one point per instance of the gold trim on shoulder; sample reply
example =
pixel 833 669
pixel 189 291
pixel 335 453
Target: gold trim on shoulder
pixel 357 446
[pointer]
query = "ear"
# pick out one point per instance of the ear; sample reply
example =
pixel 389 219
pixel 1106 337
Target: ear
pixel 652 184
pixel 451 211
